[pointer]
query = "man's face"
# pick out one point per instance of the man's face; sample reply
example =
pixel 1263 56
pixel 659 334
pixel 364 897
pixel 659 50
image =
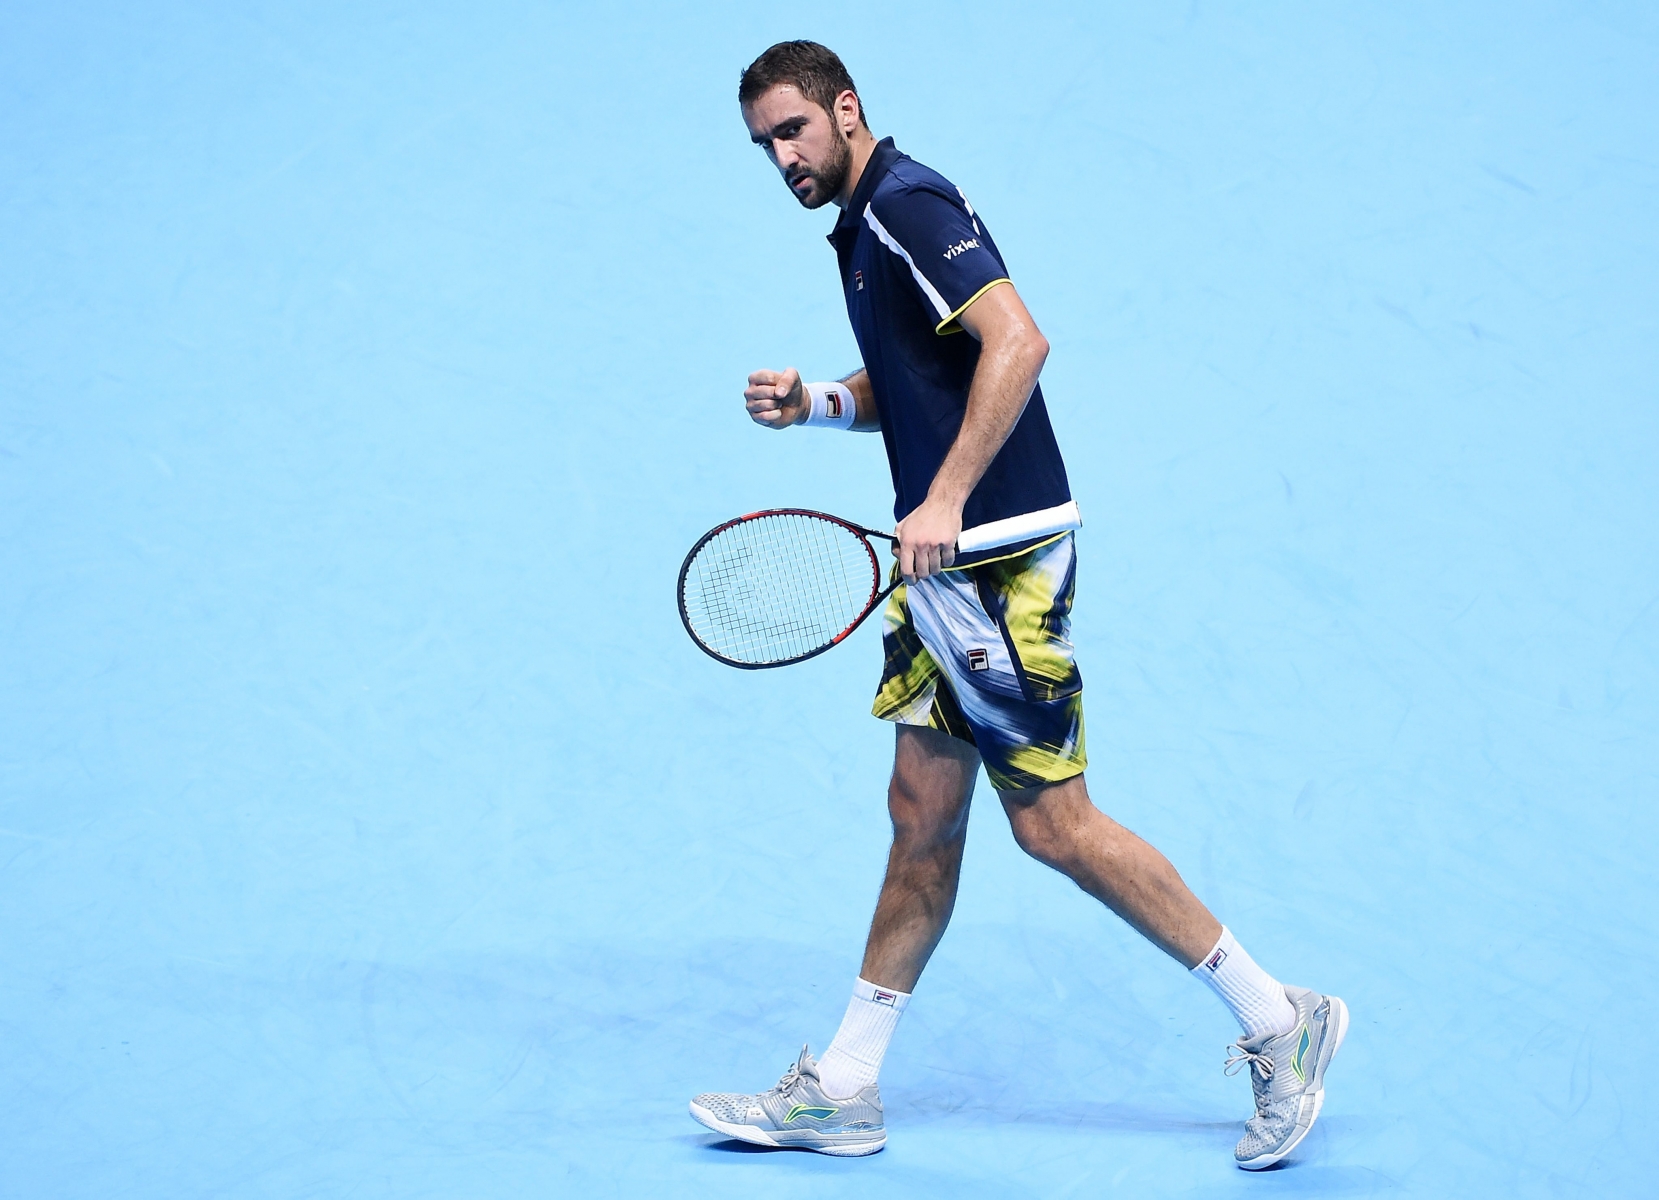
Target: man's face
pixel 805 145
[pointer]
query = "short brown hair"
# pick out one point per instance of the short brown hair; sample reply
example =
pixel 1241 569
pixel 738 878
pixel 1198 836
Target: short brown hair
pixel 813 70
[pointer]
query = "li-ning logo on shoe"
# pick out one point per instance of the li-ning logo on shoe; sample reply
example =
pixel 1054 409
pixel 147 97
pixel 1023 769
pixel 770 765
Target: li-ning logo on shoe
pixel 979 660
pixel 832 405
pixel 962 248
pixel 887 998
pixel 816 1111
pixel 1302 1045
pixel 858 281
pixel 1215 960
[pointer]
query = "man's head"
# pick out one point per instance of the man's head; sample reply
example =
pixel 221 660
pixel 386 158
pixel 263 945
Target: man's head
pixel 801 108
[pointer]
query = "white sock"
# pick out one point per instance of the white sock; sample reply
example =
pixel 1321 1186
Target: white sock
pixel 854 1058
pixel 1256 998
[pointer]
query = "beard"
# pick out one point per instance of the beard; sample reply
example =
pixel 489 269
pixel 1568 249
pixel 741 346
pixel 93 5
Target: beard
pixel 827 180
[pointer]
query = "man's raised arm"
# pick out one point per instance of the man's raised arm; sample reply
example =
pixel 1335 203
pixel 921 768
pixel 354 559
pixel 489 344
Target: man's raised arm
pixel 1011 356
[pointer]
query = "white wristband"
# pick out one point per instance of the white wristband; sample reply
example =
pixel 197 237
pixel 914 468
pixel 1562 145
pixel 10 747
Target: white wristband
pixel 832 404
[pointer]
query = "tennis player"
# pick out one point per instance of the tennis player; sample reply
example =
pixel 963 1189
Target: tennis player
pixel 979 666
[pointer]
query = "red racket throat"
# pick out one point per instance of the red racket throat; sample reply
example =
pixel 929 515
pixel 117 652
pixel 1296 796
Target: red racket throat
pixel 777 587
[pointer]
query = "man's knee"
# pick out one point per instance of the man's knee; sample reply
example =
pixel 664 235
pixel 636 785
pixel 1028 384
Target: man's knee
pixel 1045 820
pixel 1035 833
pixel 925 815
pixel 932 785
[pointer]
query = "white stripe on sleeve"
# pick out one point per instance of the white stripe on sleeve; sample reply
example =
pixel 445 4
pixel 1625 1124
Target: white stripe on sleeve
pixel 888 240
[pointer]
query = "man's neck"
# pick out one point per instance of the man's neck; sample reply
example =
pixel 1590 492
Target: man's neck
pixel 863 145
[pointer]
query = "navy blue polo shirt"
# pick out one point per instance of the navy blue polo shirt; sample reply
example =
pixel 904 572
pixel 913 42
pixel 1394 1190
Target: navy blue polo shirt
pixel 913 255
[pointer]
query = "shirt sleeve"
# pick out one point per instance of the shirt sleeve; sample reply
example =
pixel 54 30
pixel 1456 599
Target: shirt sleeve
pixel 940 239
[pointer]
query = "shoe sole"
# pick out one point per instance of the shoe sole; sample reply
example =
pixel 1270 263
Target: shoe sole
pixel 1313 1100
pixel 788 1139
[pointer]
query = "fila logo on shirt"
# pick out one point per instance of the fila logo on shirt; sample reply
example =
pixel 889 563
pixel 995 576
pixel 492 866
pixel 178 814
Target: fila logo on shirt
pixel 979 660
pixel 887 998
pixel 832 405
pixel 1215 960
pixel 858 281
pixel 962 248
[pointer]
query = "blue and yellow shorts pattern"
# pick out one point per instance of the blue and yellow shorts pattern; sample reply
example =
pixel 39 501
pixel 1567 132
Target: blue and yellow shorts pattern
pixel 984 654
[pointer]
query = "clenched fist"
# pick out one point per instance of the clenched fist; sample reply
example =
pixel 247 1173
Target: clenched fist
pixel 776 399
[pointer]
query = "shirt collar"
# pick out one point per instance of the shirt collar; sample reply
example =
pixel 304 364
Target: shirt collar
pixel 881 161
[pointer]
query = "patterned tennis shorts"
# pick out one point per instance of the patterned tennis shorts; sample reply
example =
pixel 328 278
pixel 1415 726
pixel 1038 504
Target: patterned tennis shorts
pixel 984 654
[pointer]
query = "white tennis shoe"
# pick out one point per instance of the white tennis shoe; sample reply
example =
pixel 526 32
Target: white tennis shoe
pixel 798 1113
pixel 1287 1073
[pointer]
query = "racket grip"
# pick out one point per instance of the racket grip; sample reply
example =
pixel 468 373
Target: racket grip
pixel 1022 528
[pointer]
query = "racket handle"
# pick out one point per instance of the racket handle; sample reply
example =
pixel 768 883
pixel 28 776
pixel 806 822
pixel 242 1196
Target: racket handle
pixel 1022 528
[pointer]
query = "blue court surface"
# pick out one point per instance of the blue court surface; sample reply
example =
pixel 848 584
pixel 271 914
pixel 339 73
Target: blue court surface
pixel 369 826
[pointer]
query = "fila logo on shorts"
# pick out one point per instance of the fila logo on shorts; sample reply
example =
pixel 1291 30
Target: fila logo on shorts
pixel 1215 960
pixel 979 660
pixel 886 998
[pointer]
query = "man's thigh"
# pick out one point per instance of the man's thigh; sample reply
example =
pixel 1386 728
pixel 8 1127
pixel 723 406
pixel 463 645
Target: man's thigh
pixel 933 780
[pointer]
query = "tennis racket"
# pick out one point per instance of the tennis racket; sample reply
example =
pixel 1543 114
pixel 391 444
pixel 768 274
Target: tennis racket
pixel 779 586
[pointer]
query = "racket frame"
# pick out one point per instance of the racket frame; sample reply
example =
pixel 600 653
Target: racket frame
pixel 876 597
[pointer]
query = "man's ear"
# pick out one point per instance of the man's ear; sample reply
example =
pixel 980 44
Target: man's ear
pixel 848 112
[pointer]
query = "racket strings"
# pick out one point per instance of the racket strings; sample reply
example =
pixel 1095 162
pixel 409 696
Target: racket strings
pixel 777 587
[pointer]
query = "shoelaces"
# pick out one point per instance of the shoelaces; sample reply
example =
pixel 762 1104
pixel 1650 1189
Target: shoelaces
pixel 1237 1056
pixel 1262 1062
pixel 791 1079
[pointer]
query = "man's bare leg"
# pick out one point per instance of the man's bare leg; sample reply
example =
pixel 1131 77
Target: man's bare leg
pixel 1290 1028
pixel 928 799
pixel 932 785
pixel 1059 825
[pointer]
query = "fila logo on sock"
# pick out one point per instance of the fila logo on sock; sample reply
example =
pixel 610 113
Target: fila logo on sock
pixel 1215 960
pixel 979 660
pixel 887 998
pixel 832 404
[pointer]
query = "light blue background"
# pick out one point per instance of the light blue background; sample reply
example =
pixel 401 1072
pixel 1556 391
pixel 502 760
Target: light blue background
pixel 368 826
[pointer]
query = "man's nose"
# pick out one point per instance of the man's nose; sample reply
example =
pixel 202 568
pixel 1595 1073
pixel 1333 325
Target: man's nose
pixel 783 153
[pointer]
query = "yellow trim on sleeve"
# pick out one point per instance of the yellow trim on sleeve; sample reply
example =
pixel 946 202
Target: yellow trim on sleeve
pixel 943 327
